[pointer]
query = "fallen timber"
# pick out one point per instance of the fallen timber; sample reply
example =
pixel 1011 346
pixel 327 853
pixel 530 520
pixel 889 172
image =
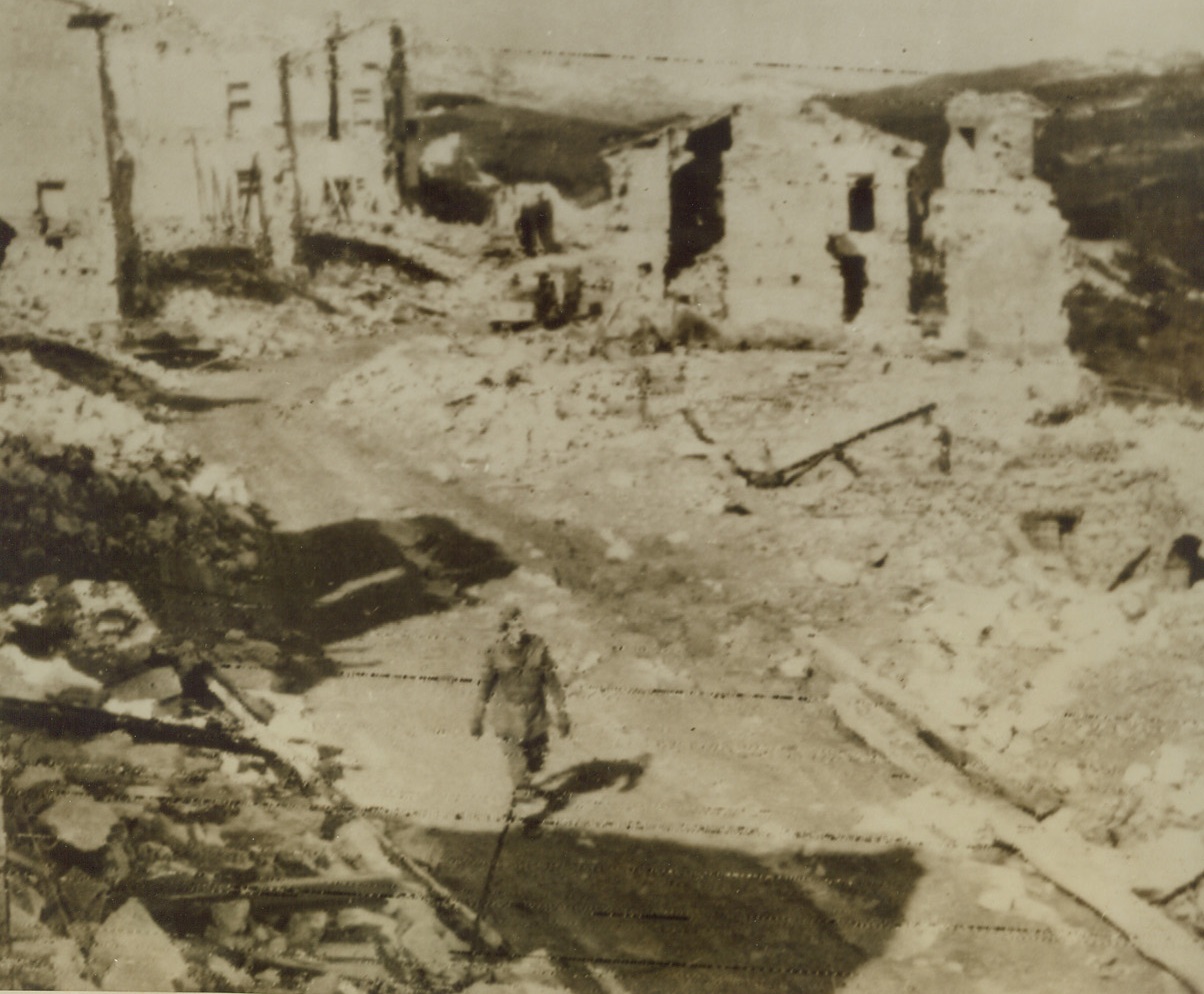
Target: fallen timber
pixel 788 475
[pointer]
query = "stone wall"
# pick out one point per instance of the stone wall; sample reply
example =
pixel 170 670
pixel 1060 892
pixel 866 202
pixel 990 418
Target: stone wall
pixel 637 226
pixel 201 124
pixel 52 139
pixel 1007 262
pixel 788 181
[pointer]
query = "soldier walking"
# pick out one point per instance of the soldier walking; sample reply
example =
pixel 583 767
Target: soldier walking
pixel 518 678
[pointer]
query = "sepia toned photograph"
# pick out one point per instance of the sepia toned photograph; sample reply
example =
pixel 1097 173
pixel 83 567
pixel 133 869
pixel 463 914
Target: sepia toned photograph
pixel 536 497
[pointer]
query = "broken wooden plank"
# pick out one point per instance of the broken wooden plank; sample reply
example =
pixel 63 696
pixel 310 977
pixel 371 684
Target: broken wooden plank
pixel 267 741
pixel 1092 874
pixel 935 732
pixel 307 890
pixel 696 426
pixel 1126 574
pixel 378 850
pixel 55 718
pixel 786 475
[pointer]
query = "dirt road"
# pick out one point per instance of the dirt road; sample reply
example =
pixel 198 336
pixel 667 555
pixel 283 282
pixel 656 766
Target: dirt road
pixel 720 831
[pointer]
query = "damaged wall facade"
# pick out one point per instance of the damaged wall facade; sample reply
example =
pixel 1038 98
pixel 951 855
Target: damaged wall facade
pixel 354 131
pixel 761 220
pixel 1007 263
pixel 54 184
pixel 201 124
pixel 820 225
pixel 637 225
pixel 152 138
pixel 266 147
pixel 817 222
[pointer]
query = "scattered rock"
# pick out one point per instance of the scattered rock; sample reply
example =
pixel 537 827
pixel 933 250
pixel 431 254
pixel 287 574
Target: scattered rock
pixel 357 842
pixel 80 822
pixel 230 917
pixel 41 679
pixel 326 983
pixel 1162 865
pixel 798 668
pixel 83 895
pixel 306 928
pixel 427 939
pixel 618 550
pixel 231 975
pixel 132 953
pixel 159 684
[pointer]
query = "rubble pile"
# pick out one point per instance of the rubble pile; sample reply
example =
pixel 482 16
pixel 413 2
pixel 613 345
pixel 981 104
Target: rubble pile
pixel 143 864
pixel 153 841
pixel 255 329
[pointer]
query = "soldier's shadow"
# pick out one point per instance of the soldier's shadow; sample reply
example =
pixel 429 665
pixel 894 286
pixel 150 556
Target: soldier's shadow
pixel 557 790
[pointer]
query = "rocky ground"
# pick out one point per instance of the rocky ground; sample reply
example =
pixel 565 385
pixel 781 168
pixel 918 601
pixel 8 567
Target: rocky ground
pixel 1006 564
pixel 158 834
pixel 206 786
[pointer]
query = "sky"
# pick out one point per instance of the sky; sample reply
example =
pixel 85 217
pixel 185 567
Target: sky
pixel 886 37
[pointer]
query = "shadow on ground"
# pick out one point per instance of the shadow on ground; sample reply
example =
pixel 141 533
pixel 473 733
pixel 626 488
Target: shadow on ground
pixel 329 583
pixel 102 376
pixel 557 790
pixel 341 580
pixel 665 917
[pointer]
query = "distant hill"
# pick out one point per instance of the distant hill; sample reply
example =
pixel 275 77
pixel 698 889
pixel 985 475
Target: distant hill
pixel 1124 151
pixel 520 145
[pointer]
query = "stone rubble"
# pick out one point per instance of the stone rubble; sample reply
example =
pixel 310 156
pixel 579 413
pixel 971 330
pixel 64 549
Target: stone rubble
pixel 129 851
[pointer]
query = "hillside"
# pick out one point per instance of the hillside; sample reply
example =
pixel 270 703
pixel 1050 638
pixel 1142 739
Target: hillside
pixel 521 145
pixel 1124 151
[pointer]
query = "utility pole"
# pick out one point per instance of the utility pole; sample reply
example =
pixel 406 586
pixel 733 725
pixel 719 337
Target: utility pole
pixel 399 118
pixel 332 64
pixel 131 271
pixel 297 226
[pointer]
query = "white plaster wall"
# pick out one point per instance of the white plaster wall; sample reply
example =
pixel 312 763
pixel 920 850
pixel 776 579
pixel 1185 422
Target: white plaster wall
pixel 51 130
pixel 172 94
pixel 1008 264
pixel 360 153
pixel 1007 271
pixel 638 219
pixel 1005 126
pixel 786 184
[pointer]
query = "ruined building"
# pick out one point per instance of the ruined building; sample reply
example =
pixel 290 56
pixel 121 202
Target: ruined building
pixel 200 125
pixel 1006 264
pixel 817 221
pixel 54 163
pixel 772 223
pixel 764 220
pixel 351 132
pixel 133 142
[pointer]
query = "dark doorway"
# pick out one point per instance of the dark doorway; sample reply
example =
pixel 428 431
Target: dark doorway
pixel 852 271
pixel 696 221
pixel 861 204
pixel 7 235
